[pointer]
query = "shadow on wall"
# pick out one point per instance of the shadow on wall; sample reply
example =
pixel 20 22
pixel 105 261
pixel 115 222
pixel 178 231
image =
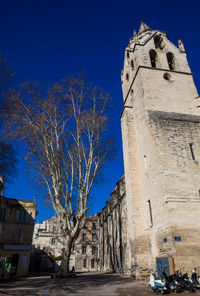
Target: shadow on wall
pixel 43 261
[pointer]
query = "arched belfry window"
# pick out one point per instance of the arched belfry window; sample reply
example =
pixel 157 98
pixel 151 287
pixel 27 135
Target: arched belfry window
pixel 158 42
pixel 170 60
pixel 153 58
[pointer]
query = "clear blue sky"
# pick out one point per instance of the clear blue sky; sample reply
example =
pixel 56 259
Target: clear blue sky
pixel 46 40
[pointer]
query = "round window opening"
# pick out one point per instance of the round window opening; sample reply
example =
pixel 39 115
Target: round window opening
pixel 167 76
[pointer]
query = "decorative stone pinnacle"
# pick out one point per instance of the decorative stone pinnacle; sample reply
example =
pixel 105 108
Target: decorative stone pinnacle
pixel 143 27
pixel 181 46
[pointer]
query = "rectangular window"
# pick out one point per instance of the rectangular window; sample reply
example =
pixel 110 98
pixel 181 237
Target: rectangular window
pixel 84 237
pixel 94 237
pixel 92 263
pixel 21 216
pixel 84 263
pixel 150 213
pixel 93 250
pixel 2 214
pixel 18 236
pixel 192 151
pixel 83 250
pixel 53 241
pixel 93 226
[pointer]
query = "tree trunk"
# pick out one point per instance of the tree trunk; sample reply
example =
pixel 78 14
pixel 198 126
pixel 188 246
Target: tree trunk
pixel 64 267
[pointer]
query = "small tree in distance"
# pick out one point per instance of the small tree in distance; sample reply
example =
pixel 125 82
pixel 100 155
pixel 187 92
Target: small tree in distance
pixel 67 139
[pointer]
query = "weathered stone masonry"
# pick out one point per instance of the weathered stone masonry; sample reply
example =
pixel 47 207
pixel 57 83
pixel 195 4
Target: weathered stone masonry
pixel 160 132
pixel 112 231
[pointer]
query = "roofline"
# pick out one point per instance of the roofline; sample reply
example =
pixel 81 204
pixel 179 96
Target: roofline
pixel 16 199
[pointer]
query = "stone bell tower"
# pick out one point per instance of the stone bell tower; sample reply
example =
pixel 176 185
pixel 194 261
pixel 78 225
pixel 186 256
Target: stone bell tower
pixel 161 146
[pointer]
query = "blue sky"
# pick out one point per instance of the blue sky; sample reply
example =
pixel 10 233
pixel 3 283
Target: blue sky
pixel 47 40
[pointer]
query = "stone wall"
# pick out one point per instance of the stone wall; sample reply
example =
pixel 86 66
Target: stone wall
pixel 112 233
pixel 160 133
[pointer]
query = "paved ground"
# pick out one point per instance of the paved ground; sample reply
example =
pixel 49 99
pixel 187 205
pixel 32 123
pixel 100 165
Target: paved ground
pixel 86 284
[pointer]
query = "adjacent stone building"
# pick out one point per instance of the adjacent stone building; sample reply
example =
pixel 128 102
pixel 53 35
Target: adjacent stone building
pixel 87 246
pixel 16 231
pixel 160 124
pixel 112 231
pixel 48 246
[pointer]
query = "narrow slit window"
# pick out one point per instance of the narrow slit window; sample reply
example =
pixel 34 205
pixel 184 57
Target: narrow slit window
pixel 150 212
pixel 132 65
pixel 145 164
pixel 192 151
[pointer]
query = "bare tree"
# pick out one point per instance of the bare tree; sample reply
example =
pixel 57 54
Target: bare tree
pixel 67 138
pixel 8 158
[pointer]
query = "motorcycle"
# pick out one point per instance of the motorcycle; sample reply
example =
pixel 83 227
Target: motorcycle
pixel 185 282
pixel 194 279
pixel 171 283
pixel 157 284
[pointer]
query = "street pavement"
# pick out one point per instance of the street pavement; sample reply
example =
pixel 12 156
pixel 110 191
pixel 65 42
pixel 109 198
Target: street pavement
pixel 85 284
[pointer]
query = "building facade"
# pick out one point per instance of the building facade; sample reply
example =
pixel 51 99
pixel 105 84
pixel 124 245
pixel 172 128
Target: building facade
pixel 16 232
pixel 112 231
pixel 48 242
pixel 87 246
pixel 47 246
pixel 160 125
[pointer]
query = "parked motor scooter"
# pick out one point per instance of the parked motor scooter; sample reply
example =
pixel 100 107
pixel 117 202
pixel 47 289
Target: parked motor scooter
pixel 171 283
pixel 157 284
pixel 185 282
pixel 194 279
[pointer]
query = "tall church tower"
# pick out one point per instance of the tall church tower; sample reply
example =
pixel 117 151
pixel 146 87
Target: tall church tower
pixel 161 145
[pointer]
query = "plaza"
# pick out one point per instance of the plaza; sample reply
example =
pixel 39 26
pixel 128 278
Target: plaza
pixel 85 284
